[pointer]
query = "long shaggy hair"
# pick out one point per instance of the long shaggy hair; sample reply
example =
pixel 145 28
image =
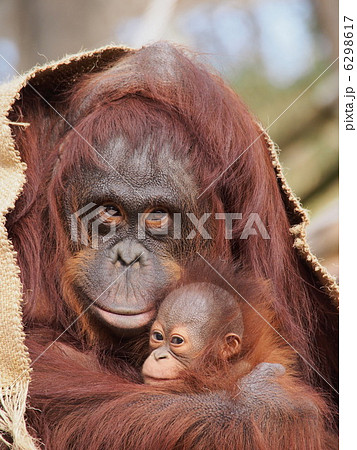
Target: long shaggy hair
pixel 159 95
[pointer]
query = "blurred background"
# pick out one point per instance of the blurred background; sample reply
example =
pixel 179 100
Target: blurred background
pixel 269 51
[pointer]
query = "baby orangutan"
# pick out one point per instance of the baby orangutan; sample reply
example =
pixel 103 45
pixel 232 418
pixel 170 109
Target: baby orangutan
pixel 191 319
pixel 210 334
pixel 198 345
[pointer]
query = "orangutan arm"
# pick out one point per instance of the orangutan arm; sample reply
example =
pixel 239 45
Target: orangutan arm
pixel 83 407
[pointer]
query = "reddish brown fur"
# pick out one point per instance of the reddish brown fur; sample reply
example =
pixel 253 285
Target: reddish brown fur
pixel 261 340
pixel 208 124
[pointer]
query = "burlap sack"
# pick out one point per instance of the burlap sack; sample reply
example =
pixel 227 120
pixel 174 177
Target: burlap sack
pixel 14 359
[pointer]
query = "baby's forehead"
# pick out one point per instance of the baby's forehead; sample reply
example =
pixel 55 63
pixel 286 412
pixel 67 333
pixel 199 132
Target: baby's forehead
pixel 195 302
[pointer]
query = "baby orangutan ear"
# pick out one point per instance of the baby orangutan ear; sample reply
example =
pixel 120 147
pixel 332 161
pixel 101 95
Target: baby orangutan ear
pixel 231 345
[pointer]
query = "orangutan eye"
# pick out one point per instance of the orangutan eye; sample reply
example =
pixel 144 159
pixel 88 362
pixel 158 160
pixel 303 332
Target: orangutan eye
pixel 111 213
pixel 157 336
pixel 177 340
pixel 156 218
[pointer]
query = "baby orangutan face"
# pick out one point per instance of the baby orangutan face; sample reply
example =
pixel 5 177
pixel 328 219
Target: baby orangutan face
pixel 188 320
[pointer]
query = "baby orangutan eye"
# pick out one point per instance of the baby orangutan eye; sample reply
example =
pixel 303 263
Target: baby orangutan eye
pixel 157 336
pixel 177 340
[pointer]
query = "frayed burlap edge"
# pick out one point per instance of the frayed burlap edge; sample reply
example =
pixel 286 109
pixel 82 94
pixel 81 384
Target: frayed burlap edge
pixel 298 230
pixel 15 362
pixel 14 358
pixel 12 413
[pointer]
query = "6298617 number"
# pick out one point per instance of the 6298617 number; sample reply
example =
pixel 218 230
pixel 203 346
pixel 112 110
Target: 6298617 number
pixel 348 43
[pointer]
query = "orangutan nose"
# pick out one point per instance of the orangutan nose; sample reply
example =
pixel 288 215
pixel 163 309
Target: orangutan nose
pixel 128 252
pixel 160 353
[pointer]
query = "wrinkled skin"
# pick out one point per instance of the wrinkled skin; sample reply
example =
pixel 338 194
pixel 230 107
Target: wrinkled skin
pixel 129 273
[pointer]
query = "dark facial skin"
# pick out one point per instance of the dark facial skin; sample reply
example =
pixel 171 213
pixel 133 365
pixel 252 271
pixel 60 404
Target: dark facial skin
pixel 189 319
pixel 125 275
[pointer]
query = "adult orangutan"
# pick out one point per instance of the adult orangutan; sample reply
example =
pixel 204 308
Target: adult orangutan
pixel 139 138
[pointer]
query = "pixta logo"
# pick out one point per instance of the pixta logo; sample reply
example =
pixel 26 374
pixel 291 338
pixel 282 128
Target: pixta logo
pixel 86 221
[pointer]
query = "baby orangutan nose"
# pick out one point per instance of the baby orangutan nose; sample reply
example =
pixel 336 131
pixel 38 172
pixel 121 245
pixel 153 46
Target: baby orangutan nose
pixel 160 353
pixel 160 366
